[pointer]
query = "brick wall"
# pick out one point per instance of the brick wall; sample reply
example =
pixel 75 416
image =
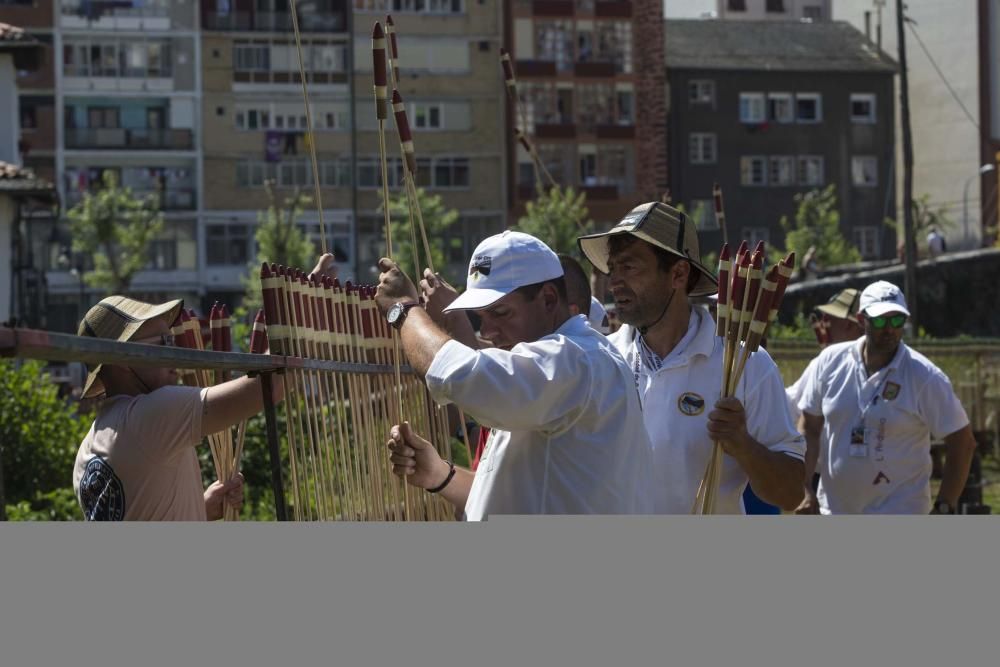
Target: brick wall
pixel 651 108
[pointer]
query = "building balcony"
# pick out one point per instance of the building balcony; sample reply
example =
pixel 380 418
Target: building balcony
pixel 610 131
pixel 173 199
pixel 118 15
pixel 600 192
pixel 555 130
pixel 595 69
pixel 553 8
pixel 133 139
pixel 273 22
pixel 541 68
pixel 314 78
pixel 617 9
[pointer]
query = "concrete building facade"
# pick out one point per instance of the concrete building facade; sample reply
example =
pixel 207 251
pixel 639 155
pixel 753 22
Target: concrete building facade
pixel 774 10
pixel 591 77
pixel 772 109
pixel 948 54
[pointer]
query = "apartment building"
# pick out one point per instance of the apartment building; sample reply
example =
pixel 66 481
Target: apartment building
pixel 116 92
pixel 591 78
pixel 200 104
pixel 774 10
pixel 770 109
pixel 254 121
pixel 451 81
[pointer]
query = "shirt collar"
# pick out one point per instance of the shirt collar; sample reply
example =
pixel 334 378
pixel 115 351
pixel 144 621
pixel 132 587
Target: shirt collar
pixel 574 326
pixel 902 352
pixel 699 339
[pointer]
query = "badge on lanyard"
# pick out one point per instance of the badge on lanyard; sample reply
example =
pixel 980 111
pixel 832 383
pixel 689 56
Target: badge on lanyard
pixel 858 447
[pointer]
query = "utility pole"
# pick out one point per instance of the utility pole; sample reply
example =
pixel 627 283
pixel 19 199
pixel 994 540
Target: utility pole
pixel 910 240
pixel 878 23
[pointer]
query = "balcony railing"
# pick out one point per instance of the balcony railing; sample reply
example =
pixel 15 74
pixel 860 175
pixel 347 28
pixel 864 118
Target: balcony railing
pixel 171 199
pixel 111 14
pixel 274 22
pixel 134 139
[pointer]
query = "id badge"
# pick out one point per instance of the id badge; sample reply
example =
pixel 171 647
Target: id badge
pixel 858 447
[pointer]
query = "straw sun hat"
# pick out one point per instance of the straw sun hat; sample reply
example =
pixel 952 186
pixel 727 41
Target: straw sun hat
pixel 119 318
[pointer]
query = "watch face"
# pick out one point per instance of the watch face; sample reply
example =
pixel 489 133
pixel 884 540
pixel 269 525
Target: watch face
pixel 394 312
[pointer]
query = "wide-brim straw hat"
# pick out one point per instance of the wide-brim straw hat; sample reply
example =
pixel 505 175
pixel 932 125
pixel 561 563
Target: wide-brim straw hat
pixel 119 318
pixel 843 305
pixel 662 226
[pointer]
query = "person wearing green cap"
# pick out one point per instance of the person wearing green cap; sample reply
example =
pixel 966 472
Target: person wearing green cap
pixel 139 462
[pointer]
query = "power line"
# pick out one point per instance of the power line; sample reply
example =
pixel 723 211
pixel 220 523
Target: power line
pixel 941 74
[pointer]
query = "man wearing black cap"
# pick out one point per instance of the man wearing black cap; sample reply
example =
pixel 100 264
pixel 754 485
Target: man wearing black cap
pixel 654 267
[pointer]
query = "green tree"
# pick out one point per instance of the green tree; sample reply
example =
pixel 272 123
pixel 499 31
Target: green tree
pixel 924 218
pixel 438 220
pixel 115 228
pixel 39 437
pixel 281 240
pixel 558 217
pixel 816 225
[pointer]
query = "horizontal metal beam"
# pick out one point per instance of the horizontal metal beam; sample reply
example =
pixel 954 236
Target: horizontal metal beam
pixel 49 346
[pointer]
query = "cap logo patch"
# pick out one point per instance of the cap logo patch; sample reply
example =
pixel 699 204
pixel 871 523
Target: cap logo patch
pixel 691 404
pixel 481 264
pixel 632 218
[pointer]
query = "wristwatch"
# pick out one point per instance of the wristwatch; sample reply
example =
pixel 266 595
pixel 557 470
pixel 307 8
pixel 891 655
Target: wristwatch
pixel 943 507
pixel 397 313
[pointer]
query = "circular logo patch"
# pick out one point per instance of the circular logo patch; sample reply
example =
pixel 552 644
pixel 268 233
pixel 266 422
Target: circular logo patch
pixel 102 494
pixel 691 404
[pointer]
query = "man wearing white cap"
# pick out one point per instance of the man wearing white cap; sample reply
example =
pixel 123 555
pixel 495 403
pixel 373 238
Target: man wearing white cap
pixel 871 408
pixel 567 434
pixel 654 268
pixel 138 462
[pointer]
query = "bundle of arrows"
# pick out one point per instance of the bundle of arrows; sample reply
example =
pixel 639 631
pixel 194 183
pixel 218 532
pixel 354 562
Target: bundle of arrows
pixel 749 301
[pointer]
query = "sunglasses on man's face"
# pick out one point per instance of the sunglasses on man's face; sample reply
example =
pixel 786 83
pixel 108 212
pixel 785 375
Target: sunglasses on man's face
pixel 881 321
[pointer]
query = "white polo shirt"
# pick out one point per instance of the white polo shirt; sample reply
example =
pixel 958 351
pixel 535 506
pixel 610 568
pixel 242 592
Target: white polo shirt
pixel 568 435
pixel 796 390
pixel 900 408
pixel 676 401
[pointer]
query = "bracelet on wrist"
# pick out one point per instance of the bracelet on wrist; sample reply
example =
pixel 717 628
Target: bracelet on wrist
pixel 447 480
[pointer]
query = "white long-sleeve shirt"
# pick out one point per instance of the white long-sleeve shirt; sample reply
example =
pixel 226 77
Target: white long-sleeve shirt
pixel 568 435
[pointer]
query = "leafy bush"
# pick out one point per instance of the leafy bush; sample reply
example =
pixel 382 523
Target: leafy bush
pixel 39 437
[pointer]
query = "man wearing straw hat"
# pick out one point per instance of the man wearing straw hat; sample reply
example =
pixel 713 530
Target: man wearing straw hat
pixel 138 462
pixel 833 322
pixel 870 408
pixel 567 434
pixel 653 265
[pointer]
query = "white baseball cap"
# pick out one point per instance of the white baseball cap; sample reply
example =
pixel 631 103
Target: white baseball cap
pixel 882 297
pixel 598 317
pixel 503 263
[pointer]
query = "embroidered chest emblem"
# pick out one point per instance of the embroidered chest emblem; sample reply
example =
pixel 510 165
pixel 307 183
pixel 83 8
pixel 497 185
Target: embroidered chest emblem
pixel 891 391
pixel 691 404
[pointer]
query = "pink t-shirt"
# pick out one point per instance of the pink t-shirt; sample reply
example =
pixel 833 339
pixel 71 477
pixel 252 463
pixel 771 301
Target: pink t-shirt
pixel 138 462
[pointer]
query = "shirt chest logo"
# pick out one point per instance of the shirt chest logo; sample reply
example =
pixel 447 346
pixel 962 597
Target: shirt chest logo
pixel 891 391
pixel 691 404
